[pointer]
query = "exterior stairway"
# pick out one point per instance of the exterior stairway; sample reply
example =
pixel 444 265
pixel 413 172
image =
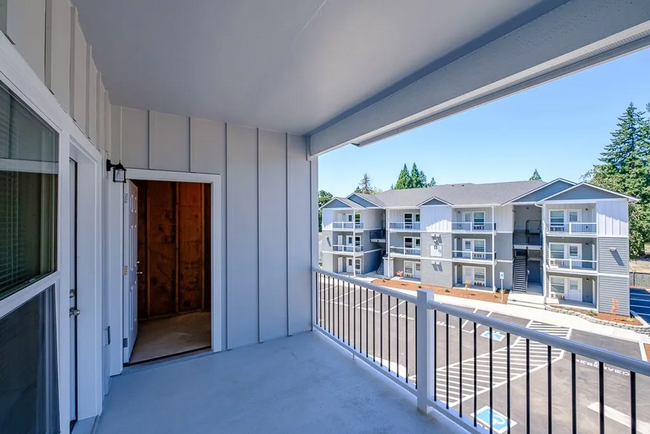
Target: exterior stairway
pixel 380 270
pixel 519 238
pixel 520 277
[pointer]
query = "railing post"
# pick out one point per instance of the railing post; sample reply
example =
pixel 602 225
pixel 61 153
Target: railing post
pixel 426 350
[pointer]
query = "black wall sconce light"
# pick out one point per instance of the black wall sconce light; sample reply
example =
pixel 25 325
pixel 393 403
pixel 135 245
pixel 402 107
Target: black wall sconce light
pixel 119 171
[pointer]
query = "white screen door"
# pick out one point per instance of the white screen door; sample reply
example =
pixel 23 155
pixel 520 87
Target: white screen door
pixel 130 268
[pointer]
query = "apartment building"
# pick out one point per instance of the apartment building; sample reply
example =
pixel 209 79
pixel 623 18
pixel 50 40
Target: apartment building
pixel 559 239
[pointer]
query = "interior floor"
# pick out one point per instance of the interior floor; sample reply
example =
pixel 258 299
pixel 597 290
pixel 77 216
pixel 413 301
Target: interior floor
pixel 172 335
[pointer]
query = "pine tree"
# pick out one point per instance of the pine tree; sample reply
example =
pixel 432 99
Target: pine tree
pixel 625 168
pixel 403 180
pixel 432 182
pixel 535 176
pixel 416 180
pixel 423 180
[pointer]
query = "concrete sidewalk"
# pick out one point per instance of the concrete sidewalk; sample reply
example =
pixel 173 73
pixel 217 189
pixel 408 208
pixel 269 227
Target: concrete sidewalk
pixel 540 315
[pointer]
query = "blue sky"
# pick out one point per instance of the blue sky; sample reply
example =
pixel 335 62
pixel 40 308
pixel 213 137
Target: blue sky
pixel 560 128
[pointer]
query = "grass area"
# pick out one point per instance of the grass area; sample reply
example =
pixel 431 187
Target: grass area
pixel 605 316
pixel 452 292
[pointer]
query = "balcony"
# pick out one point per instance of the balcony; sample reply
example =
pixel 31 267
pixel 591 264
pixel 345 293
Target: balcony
pixel 347 248
pixel 404 226
pixel 473 227
pixel 582 266
pixel 571 229
pixel 406 251
pixel 470 256
pixel 346 226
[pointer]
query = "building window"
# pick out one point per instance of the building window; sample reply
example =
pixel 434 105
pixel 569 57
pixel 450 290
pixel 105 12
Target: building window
pixel 357 218
pixel 28 196
pixel 557 251
pixel 479 276
pixel 29 401
pixel 357 264
pixel 557 285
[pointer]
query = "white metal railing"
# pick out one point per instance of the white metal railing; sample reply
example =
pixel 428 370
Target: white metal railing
pixel 347 225
pixel 572 228
pixel 473 226
pixel 370 320
pixel 416 251
pixel 475 256
pixel 573 264
pixel 347 248
pixel 407 226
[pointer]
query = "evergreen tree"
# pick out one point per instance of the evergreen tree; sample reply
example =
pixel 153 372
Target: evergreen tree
pixel 423 182
pixel 625 168
pixel 365 186
pixel 416 180
pixel 403 180
pixel 432 182
pixel 535 176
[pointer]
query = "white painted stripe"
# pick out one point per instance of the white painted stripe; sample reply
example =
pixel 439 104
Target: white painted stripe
pixel 622 418
pixel 644 355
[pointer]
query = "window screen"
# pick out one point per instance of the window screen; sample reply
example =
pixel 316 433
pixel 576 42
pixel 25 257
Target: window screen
pixel 28 196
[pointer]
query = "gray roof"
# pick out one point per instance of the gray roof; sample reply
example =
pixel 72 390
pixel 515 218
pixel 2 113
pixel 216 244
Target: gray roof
pixel 345 201
pixel 371 198
pixel 459 194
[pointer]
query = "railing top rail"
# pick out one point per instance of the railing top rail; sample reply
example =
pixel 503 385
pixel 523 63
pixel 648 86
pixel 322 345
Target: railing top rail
pixel 585 350
pixel 388 291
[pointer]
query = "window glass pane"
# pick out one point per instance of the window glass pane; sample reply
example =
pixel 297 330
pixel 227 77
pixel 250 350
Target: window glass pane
pixel 479 274
pixel 557 217
pixel 468 245
pixel 479 246
pixel 417 242
pixel 573 285
pixel 28 372
pixel 357 218
pixel 408 218
pixel 28 196
pixel 417 266
pixel 557 285
pixel 479 217
pixel 467 217
pixel 573 216
pixel 573 251
pixel 557 251
pixel 417 217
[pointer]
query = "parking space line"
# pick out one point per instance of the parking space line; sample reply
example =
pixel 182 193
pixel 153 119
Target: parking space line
pixel 620 417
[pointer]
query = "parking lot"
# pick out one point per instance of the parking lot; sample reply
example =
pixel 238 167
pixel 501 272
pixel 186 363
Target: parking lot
pixel 384 328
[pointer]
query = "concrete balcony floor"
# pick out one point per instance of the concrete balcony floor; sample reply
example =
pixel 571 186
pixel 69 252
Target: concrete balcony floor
pixel 291 385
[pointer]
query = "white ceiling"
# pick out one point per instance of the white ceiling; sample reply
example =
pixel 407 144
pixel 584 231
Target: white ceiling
pixel 285 65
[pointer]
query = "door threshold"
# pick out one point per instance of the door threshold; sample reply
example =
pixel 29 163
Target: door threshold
pixel 165 360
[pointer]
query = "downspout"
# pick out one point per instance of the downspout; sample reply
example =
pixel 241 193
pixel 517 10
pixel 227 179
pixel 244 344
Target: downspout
pixel 543 238
pixel 389 270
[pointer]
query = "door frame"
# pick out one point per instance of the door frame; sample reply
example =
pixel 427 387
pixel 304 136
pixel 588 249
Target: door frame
pixel 568 288
pixel 217 305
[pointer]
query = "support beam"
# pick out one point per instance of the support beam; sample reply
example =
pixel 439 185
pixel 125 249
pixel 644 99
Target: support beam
pixel 575 36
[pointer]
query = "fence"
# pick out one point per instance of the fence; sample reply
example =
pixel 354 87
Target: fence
pixel 464 363
pixel 640 280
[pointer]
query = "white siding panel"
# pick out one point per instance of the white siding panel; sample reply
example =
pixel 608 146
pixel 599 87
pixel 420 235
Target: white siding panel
pixel 116 133
pixel 328 218
pixel 135 138
pixel 91 98
pixel 241 236
pixel 24 22
pixel 436 218
pixel 58 51
pixel 372 219
pixel 208 140
pixel 299 222
pixel 613 217
pixel 169 147
pixel 101 118
pixel 79 78
pixel 273 234
pixel 505 218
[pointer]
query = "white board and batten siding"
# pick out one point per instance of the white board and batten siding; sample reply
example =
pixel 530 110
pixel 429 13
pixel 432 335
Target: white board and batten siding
pixel 436 218
pixel 267 197
pixel 372 218
pixel 612 218
pixel 397 215
pixel 504 218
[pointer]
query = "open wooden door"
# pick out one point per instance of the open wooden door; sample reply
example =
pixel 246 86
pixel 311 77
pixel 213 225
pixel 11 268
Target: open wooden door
pixel 130 286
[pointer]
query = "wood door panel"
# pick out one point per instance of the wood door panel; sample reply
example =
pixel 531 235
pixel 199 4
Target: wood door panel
pixel 162 248
pixel 143 294
pixel 190 233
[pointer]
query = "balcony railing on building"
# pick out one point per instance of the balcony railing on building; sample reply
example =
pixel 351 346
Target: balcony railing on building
pixel 474 256
pixel 473 226
pixel 573 264
pixel 347 225
pixel 572 228
pixel 413 251
pixel 349 248
pixel 404 226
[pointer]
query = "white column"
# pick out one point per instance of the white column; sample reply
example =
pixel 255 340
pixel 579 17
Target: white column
pixel 544 255
pixel 390 268
pixel 494 262
pixel 426 349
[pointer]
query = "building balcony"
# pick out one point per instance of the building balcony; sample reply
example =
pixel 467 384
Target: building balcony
pixel 404 226
pixel 473 227
pixel 470 256
pixel 346 248
pixel 405 251
pixel 303 383
pixel 344 226
pixel 571 229
pixel 579 266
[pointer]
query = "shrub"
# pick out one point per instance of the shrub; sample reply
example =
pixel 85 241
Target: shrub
pixel 447 290
pixel 592 313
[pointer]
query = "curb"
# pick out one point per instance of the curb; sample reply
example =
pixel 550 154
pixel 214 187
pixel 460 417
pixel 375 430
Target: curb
pixel 642 329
